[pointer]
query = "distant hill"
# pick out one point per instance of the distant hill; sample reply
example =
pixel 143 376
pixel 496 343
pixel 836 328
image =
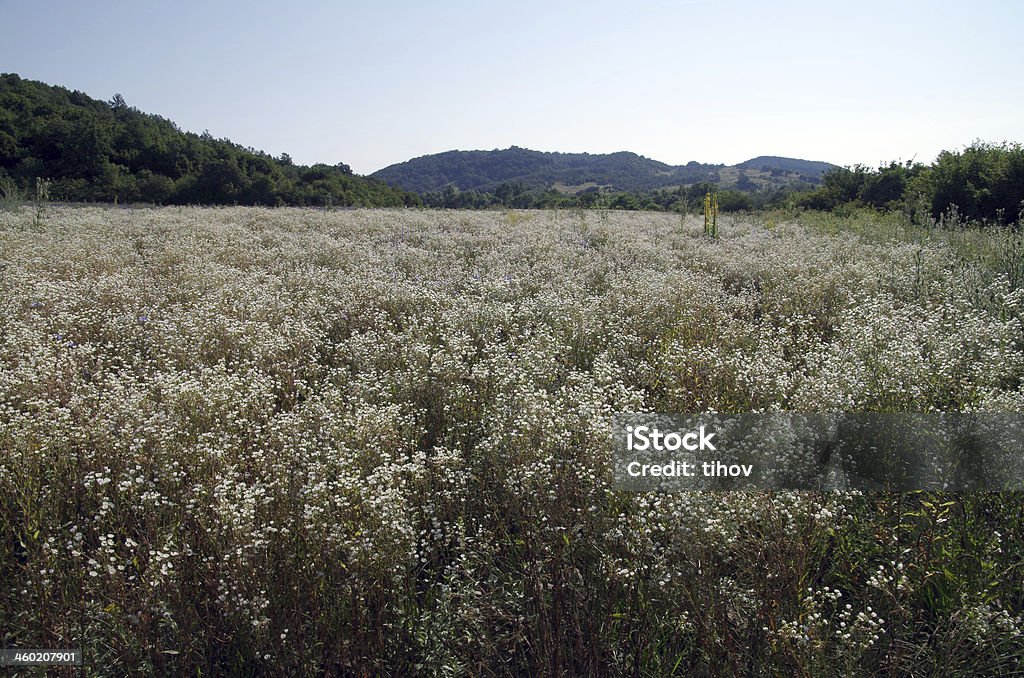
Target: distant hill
pixel 100 151
pixel 774 162
pixel 574 172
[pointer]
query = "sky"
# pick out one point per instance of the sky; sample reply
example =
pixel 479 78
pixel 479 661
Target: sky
pixel 370 84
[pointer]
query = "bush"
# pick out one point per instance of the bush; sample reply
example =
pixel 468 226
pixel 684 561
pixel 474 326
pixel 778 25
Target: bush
pixel 984 183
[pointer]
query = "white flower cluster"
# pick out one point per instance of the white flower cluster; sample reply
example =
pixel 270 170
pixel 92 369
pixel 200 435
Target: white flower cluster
pixel 395 418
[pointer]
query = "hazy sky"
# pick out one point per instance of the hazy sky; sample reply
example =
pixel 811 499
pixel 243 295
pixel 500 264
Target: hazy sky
pixel 371 83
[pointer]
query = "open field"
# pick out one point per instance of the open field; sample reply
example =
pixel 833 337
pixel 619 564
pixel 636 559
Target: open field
pixel 246 441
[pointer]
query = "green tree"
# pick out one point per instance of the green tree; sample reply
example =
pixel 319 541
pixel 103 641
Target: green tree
pixel 154 188
pixel 220 181
pixel 984 182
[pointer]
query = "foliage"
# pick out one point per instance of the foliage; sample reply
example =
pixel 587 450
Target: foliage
pixel 982 184
pixel 711 215
pixel 517 195
pixel 94 151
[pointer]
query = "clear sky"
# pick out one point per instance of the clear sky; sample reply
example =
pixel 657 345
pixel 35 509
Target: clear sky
pixel 371 83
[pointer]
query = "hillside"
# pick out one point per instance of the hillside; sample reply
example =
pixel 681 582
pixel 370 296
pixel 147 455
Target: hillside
pixel 768 163
pixel 93 150
pixel 573 172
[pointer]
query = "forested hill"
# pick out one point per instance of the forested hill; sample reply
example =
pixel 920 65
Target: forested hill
pixel 94 150
pixel 810 168
pixel 485 171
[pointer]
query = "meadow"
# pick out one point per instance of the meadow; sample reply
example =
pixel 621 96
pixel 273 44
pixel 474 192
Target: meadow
pixel 243 441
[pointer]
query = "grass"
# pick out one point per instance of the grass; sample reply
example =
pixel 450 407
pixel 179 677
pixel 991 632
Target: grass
pixel 10 196
pixel 241 441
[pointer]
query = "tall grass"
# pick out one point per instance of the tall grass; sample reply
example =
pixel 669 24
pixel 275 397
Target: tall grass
pixel 10 196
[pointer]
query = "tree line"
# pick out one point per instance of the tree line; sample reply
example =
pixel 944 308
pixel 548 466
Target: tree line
pixel 984 183
pixel 96 151
pixel 517 195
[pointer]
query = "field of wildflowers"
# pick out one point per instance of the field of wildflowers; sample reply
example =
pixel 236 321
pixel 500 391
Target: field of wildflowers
pixel 240 441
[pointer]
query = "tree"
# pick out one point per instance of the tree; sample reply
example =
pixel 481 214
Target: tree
pixel 886 187
pixel 984 183
pixel 734 201
pixel 220 181
pixel 154 188
pixel 450 196
pixel 744 183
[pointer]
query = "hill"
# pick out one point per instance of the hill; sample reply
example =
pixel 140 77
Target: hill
pixel 93 150
pixel 485 171
pixel 774 162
